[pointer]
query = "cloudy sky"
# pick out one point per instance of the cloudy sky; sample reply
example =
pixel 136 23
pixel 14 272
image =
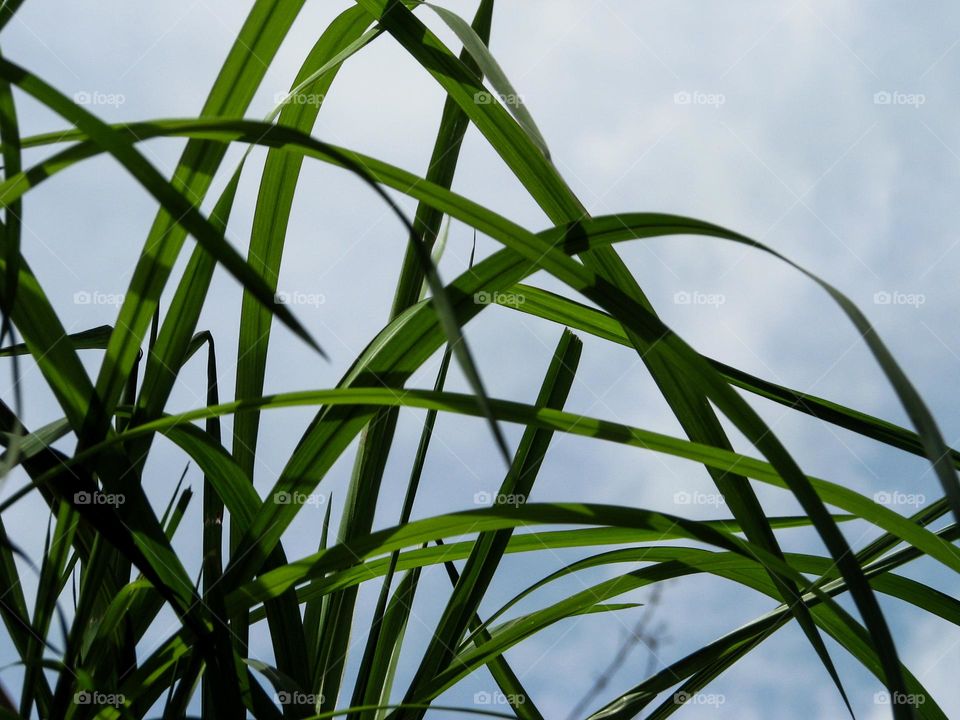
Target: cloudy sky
pixel 824 130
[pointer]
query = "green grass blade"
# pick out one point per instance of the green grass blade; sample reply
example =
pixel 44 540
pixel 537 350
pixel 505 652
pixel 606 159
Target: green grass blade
pixel 12 225
pixel 482 564
pixel 490 68
pixel 380 648
pixel 507 680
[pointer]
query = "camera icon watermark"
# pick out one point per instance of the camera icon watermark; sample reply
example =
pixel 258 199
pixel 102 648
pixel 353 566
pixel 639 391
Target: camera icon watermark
pixel 497 297
pixel 96 97
pixel 683 697
pixel 498 698
pixel 95 297
pixel 485 97
pixel 895 97
pixel 896 497
pixel 295 297
pixel 699 498
pixel 885 697
pixel 696 97
pixel 114 500
pixel 282 497
pixel 299 699
pixel 884 297
pixel 687 297
pixel 99 699
pixel 299 98
pixel 487 498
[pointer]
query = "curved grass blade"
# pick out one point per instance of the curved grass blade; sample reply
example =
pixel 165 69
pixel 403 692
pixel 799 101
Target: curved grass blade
pixel 92 339
pixel 528 542
pixel 153 268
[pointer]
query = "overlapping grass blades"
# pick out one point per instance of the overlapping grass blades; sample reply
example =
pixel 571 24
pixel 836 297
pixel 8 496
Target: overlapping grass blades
pixel 123 558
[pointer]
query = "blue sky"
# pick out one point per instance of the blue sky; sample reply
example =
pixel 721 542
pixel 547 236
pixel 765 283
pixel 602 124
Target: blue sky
pixel 824 130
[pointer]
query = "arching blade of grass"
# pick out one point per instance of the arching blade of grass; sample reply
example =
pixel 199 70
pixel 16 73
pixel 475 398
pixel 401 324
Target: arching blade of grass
pixel 92 339
pixel 527 542
pixel 154 266
pixel 831 493
pixel 741 570
pixel 620 227
pixel 489 548
pixel 343 556
pixel 556 308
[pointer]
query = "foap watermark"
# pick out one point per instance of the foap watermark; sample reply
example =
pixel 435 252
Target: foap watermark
pixel 298 698
pixel 896 97
pixel 299 98
pixel 84 497
pixel 699 498
pixel 685 297
pixel 282 497
pixel 697 97
pixel 486 498
pixel 95 297
pixel 896 497
pixel 885 697
pixel 99 699
pixel 96 97
pixel 498 698
pixel 488 98
pixel 683 697
pixel 295 297
pixel 884 297
pixel 510 299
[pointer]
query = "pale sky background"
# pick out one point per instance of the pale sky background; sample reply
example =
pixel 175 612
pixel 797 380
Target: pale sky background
pixel 788 139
